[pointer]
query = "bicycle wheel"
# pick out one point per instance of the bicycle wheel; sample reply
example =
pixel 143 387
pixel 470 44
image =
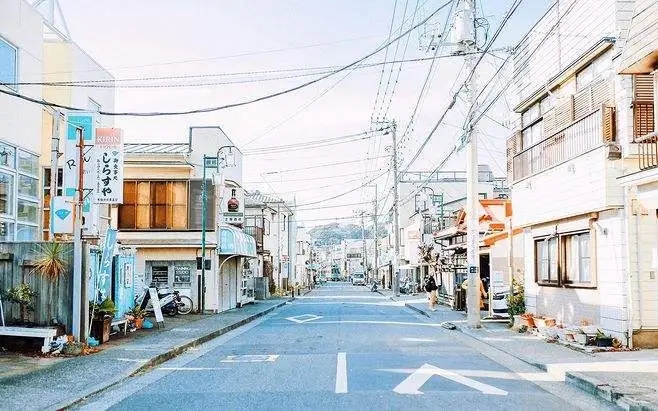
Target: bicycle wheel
pixel 185 305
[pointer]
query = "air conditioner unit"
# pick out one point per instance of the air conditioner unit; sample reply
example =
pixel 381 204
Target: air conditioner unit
pixel 613 151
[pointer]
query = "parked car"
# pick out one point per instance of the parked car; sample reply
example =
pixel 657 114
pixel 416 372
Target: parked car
pixel 358 279
pixel 499 304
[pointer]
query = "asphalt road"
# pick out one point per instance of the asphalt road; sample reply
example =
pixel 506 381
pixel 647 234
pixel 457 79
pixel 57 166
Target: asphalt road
pixel 343 347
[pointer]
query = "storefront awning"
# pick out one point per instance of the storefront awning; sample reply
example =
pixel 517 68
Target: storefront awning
pixel 233 241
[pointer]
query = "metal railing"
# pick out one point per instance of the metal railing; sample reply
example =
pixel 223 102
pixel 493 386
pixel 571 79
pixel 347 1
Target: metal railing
pixel 647 150
pixel 565 144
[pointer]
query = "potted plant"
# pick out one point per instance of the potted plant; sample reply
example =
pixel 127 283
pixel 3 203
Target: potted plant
pixel 603 340
pixel 528 320
pixel 23 296
pixel 137 314
pixel 516 304
pixel 101 323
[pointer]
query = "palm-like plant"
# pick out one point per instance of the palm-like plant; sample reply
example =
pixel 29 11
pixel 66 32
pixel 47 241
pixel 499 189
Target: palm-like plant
pixel 51 260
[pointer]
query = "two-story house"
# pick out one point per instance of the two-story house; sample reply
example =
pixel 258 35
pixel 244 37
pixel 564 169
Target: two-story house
pixel 563 163
pixel 162 218
pixel 270 220
pixel 638 67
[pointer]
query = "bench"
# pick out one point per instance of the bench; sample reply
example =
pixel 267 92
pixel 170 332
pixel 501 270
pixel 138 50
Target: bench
pixel 48 334
pixel 122 321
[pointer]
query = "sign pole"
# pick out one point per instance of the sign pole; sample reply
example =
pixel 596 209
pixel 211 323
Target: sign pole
pixel 77 242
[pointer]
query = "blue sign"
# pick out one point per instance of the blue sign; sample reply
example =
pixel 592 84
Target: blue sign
pixel 105 270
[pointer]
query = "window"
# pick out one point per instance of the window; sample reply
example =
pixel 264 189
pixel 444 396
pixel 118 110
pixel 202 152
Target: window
pixel 196 205
pixel 161 205
pixel 577 259
pixel 531 135
pixel 8 64
pixel 546 260
pixel 19 192
pixel 46 199
pixel 565 260
pixel 6 193
pixel 160 275
pixel 593 71
pixel 7 156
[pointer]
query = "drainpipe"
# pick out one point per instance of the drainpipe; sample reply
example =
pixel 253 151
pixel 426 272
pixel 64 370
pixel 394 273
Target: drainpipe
pixel 638 269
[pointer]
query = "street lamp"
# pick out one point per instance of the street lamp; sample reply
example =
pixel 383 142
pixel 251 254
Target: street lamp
pixel 219 163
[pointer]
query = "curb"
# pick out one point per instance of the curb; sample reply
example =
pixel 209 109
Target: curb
pixel 166 356
pixel 418 310
pixel 589 385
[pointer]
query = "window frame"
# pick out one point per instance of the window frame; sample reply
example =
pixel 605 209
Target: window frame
pixel 151 205
pixel 538 279
pixel 16 65
pixel 562 261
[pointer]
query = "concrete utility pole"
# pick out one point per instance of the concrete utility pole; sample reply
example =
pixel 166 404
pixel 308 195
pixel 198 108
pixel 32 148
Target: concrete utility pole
pixel 465 38
pixel 396 214
pixel 374 237
pixel 365 249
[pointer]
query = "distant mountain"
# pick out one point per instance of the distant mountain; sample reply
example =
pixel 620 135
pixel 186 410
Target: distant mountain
pixel 334 233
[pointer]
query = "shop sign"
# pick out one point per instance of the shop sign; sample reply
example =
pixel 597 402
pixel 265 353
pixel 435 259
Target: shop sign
pixel 109 166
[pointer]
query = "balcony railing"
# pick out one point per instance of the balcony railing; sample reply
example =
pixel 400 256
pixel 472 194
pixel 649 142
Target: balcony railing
pixel 573 140
pixel 647 149
pixel 257 233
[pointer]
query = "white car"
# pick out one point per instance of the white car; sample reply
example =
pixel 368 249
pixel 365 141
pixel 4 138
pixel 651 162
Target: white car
pixel 358 279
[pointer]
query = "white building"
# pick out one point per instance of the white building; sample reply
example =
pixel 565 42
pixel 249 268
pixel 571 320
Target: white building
pixel 573 120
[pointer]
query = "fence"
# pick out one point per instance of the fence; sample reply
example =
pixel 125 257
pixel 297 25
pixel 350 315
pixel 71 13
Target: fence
pixel 54 298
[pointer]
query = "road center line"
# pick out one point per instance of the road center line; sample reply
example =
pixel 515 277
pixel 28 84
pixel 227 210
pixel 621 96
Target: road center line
pixel 341 373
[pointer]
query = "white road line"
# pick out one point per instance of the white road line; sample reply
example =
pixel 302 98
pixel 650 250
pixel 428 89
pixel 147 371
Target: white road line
pixel 341 373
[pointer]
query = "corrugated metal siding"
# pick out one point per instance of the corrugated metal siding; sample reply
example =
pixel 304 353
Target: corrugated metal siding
pixel 544 53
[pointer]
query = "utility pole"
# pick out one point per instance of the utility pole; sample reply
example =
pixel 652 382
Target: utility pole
pixel 374 237
pixel 465 38
pixel 54 170
pixel 396 214
pixel 76 328
pixel 363 239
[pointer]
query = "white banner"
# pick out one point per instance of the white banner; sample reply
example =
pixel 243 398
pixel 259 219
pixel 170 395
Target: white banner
pixel 108 186
pixel 63 215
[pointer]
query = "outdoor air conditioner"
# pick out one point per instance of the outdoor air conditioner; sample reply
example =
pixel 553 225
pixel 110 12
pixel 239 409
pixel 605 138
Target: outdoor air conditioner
pixel 613 151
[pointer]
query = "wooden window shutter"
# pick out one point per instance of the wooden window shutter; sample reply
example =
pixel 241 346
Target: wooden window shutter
pixel 643 110
pixel 513 148
pixel 609 125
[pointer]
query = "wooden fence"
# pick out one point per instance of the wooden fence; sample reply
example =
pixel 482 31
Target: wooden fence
pixel 53 301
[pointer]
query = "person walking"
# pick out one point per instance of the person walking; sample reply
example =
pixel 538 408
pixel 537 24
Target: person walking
pixel 431 288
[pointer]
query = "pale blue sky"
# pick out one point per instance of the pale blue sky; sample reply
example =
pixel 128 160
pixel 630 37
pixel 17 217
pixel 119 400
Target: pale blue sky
pixel 142 38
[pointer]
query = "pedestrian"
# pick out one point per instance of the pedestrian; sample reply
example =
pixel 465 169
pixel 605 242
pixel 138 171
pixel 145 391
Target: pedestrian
pixel 431 288
pixel 483 291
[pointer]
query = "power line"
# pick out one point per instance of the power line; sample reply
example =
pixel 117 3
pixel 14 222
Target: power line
pixel 453 99
pixel 232 105
pixel 344 193
pixel 312 144
pixel 381 75
pixel 317 166
pixel 315 178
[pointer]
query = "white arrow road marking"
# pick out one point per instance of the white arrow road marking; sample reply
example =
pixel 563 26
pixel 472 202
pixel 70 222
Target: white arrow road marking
pixel 413 383
pixel 300 319
pixel 341 373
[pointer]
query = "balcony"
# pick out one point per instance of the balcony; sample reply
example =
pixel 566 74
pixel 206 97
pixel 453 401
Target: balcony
pixel 257 233
pixel 647 149
pixel 578 137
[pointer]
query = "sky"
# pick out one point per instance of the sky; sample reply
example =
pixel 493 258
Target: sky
pixel 155 38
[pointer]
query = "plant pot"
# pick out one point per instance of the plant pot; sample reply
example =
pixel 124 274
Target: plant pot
pixel 100 329
pixel 550 322
pixel 139 323
pixel 539 322
pixel 604 342
pixel 580 338
pixel 518 322
pixel 527 321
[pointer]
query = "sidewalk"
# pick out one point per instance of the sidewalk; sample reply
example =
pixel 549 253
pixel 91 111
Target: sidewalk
pixel 628 379
pixel 62 383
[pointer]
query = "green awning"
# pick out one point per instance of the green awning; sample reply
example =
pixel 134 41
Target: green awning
pixel 233 241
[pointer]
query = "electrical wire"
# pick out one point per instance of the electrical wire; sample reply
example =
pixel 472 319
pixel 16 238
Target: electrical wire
pixel 317 166
pixel 381 75
pixel 344 193
pixel 226 106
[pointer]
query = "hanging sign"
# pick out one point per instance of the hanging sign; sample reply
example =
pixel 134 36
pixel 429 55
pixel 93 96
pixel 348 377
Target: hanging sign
pixel 76 123
pixel 108 186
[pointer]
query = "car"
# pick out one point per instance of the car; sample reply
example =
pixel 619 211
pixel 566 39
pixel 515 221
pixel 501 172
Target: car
pixel 358 279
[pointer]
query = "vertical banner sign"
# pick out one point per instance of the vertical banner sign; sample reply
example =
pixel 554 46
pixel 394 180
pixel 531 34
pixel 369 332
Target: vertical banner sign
pixel 109 166
pixel 103 279
pixel 84 121
pixel 63 215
